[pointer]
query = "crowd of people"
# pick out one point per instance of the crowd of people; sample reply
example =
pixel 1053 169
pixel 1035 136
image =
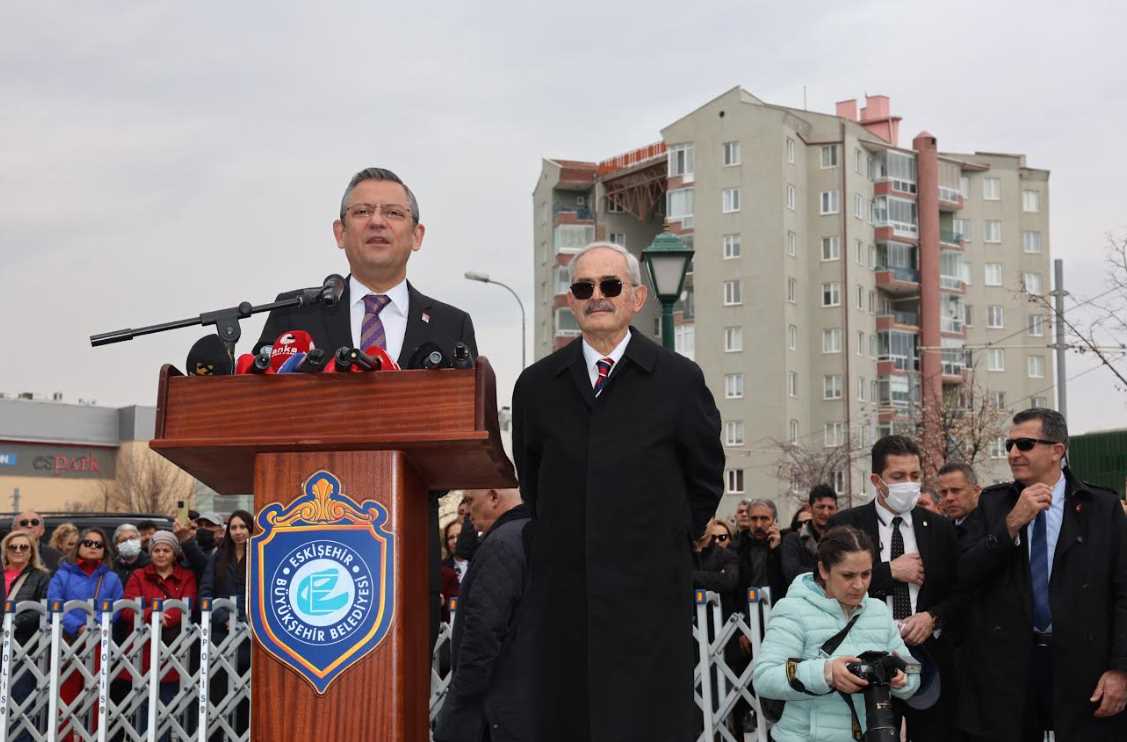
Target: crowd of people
pixel 203 557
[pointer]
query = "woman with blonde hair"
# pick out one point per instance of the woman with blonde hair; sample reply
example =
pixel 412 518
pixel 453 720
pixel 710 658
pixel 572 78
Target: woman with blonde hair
pixel 64 538
pixel 25 578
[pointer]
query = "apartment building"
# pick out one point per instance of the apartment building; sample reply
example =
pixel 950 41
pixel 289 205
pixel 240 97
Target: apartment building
pixel 839 277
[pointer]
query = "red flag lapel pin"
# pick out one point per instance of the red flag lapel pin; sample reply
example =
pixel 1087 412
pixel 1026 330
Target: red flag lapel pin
pixel 425 318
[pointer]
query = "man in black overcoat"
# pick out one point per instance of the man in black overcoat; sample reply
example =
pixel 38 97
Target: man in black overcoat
pixel 617 446
pixel 1049 576
pixel 378 229
pixel 914 570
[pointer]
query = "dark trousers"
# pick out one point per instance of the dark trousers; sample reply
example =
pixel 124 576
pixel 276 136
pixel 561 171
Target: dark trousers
pixel 1039 716
pixel 933 724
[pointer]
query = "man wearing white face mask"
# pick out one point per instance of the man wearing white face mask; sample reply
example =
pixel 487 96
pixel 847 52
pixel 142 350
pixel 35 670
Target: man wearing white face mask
pixel 127 552
pixel 914 571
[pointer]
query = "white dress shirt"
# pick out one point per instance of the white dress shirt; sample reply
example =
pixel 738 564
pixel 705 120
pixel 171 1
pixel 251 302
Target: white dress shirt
pixel 393 316
pixel 592 356
pixel 884 529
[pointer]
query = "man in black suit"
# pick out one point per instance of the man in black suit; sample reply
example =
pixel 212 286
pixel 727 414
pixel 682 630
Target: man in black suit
pixel 1049 576
pixel 378 229
pixel 915 569
pixel 617 446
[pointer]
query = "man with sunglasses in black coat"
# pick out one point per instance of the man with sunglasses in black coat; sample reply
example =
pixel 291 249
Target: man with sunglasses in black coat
pixel 1049 577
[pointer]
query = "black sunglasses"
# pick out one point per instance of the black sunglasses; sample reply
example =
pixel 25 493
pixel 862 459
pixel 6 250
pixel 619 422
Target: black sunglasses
pixel 611 287
pixel 33 522
pixel 92 544
pixel 1026 444
pixel 721 537
pixel 19 547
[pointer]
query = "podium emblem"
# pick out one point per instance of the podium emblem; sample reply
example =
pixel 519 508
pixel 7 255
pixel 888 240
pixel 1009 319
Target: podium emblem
pixel 321 594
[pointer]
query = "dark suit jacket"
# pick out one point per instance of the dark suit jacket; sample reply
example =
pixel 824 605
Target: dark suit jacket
pixel 619 487
pixel 1088 597
pixel 331 328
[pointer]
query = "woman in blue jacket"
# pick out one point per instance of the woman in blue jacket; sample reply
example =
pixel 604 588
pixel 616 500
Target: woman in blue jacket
pixel 818 606
pixel 85 575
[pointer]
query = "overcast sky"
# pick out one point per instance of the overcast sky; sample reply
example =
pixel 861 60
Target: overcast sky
pixel 161 159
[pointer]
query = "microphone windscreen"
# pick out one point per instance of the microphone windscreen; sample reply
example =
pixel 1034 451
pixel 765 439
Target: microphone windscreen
pixel 208 357
pixel 424 357
pixel 386 361
pixel 242 366
pixel 332 288
pixel 288 344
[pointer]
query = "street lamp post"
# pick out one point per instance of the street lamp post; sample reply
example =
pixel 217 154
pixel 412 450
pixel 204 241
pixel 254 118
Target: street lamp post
pixel 484 278
pixel 667 259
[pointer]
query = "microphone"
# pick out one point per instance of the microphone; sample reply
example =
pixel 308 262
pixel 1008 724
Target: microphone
pixel 361 361
pixel 243 365
pixel 342 361
pixel 462 357
pixel 386 362
pixel 208 357
pixel 261 364
pixel 328 293
pixel 290 365
pixel 314 362
pixel 429 355
pixel 288 344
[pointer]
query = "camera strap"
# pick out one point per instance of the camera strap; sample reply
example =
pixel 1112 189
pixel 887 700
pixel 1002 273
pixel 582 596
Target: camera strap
pixel 832 644
pixel 828 647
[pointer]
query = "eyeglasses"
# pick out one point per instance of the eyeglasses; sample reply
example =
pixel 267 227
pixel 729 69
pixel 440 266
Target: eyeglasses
pixel 1026 444
pixel 91 544
pixel 29 522
pixel 391 212
pixel 611 287
pixel 721 537
pixel 19 547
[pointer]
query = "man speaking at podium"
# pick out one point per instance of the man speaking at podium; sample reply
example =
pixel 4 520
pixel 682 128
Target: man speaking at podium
pixel 378 229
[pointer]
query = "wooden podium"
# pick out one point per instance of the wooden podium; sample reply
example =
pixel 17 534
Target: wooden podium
pixel 389 437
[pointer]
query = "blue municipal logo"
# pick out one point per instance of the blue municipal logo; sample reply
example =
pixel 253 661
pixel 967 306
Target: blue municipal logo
pixel 321 580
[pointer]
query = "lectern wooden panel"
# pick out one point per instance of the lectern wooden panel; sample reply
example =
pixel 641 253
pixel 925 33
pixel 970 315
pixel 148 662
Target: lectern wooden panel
pixel 385 437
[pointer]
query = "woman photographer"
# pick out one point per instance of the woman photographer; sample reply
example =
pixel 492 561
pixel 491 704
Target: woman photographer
pixel 794 666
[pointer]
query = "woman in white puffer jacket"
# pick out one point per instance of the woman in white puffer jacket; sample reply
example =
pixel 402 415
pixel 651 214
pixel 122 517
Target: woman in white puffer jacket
pixel 818 606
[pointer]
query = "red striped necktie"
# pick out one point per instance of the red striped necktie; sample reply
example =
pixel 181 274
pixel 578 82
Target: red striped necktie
pixel 604 365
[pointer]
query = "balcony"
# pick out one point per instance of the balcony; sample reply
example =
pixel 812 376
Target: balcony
pixel 950 199
pixel 951 324
pixel 898 281
pixel 886 320
pixel 574 215
pixel 952 283
pixel 950 239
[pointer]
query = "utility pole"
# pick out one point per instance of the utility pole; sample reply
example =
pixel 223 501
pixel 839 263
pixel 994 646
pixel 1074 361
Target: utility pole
pixel 1058 299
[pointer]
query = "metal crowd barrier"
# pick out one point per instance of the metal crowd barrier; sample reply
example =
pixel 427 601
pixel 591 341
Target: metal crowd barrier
pixel 114 696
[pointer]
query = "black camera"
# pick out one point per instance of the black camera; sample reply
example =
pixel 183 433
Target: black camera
pixel 878 669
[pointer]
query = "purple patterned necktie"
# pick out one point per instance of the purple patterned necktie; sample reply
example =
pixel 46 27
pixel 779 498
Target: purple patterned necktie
pixel 604 365
pixel 372 332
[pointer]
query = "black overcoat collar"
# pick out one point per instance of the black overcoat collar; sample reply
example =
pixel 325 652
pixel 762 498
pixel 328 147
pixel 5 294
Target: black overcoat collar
pixel 641 351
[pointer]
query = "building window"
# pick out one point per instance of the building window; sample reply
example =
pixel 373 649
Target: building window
pixel 831 340
pixel 684 339
pixel 735 481
pixel 834 434
pixel 792 431
pixel 792 197
pixel 861 160
pixel 733 386
pixel 614 207
pixel 964 185
pixel 790 150
pixel 733 293
pixel 968 315
pixel 731 153
pixel 792 290
pixel 571 238
pixel 831 294
pixel 998 448
pixel 734 433
pixel 792 383
pixel 731 246
pixel 1035 367
pixel 733 339
pixel 1030 202
pixel 861 342
pixel 563 282
pixel 859 206
pixel 618 238
pixel 831 248
pixel 1032 283
pixel 566 326
pixel 681 161
pixel 995 316
pixel 859 251
pixel 995 359
pixel 861 388
pixel 998 399
pixel 1038 402
pixel 839 481
pixel 1037 325
pixel 831 386
pixel 792 243
pixel 731 200
pixel 679 206
pixel 830 202
pixel 792 337
pixel 1031 241
pixel 993 274
pixel 961 228
pixel 992 231
pixel 872 302
pixel 860 297
pixel 874 347
pixel 991 189
pixel 829 156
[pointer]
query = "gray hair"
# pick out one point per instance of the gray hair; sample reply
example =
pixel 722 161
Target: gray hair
pixel 1053 425
pixel 633 268
pixel 123 528
pixel 378 173
pixel 764 504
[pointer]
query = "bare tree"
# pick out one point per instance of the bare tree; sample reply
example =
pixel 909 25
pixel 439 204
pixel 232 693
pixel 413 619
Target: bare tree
pixel 144 483
pixel 802 467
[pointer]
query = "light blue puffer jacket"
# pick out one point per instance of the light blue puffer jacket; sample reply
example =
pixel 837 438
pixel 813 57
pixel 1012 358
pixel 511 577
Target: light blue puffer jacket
pixel 800 623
